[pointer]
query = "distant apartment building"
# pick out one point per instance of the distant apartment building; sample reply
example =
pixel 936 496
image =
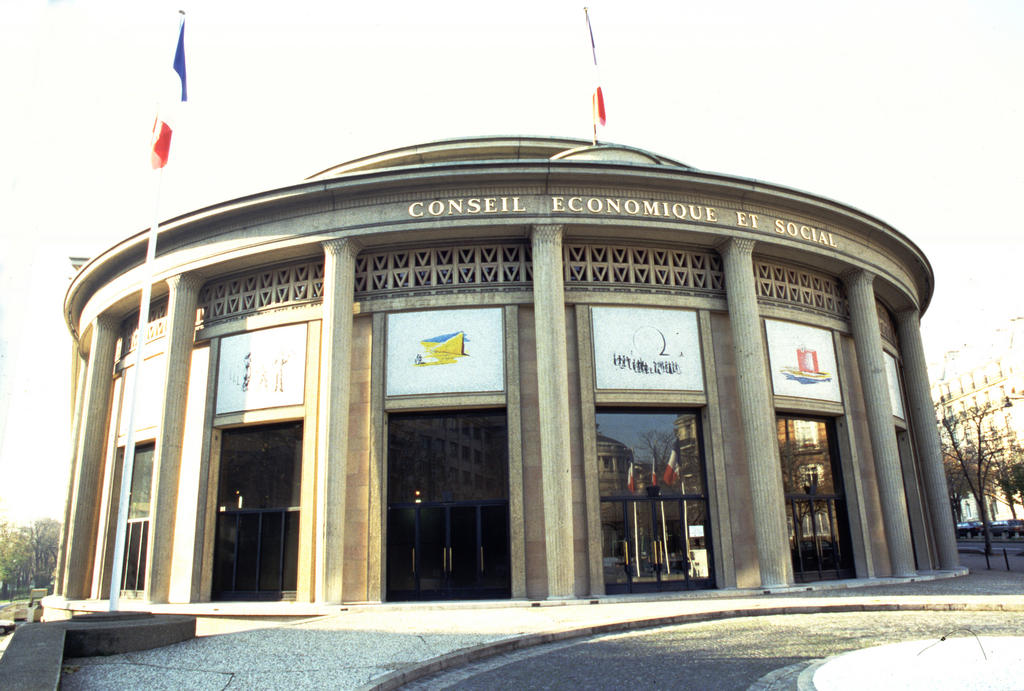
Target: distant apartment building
pixel 988 372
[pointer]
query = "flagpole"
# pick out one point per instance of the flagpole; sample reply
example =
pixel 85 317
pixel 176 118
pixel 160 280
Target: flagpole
pixel 664 538
pixel 636 541
pixel 158 160
pixel 597 106
pixel 116 572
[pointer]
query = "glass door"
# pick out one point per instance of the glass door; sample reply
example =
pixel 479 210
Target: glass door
pixel 654 504
pixel 819 531
pixel 448 532
pixel 257 521
pixel 448 552
pixel 654 544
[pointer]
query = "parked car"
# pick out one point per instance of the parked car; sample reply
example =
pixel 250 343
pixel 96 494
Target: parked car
pixel 1011 527
pixel 969 529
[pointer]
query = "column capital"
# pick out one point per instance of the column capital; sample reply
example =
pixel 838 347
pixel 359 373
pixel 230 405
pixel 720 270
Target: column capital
pixel 909 317
pixel 340 247
pixel 107 322
pixel 547 233
pixel 190 281
pixel 740 246
pixel 857 278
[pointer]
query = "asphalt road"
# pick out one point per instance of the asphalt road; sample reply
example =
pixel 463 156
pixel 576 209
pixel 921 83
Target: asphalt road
pixel 731 654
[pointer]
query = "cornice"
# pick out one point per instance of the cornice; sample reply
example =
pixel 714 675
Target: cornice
pixel 288 215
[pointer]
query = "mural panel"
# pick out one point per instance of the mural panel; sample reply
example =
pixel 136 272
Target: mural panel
pixel 803 361
pixel 445 351
pixel 641 348
pixel 262 369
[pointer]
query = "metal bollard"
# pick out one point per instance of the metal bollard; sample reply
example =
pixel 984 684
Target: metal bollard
pixel 988 564
pixel 1006 559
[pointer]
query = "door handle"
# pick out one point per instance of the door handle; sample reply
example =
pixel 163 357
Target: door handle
pixel 481 558
pixel 413 561
pixel 626 550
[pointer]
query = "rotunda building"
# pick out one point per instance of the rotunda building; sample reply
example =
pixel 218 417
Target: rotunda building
pixel 504 368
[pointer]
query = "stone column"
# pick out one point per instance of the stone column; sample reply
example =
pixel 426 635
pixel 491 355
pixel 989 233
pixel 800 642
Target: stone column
pixel 926 434
pixel 76 425
pixel 181 335
pixel 332 421
pixel 757 413
pixel 867 340
pixel 553 405
pixel 83 511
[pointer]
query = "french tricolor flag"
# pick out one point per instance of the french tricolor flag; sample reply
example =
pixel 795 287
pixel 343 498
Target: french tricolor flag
pixel 598 97
pixel 161 145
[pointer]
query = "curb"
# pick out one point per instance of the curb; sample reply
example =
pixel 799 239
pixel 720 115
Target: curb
pixel 416 671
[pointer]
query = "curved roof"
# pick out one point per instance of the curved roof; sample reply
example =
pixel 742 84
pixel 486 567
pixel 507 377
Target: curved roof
pixel 497 149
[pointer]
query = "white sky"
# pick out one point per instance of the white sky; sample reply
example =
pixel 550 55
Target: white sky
pixel 910 111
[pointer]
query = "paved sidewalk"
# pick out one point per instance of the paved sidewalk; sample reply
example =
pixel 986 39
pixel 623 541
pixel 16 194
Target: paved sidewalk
pixel 382 646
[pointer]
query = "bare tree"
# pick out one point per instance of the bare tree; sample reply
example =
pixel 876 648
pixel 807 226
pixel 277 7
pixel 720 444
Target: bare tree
pixel 657 444
pixel 28 556
pixel 15 560
pixel 972 440
pixel 1009 476
pixel 44 540
pixel 957 485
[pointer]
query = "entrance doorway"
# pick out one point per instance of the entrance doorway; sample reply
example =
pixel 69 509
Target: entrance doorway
pixel 654 516
pixel 256 550
pixel 819 530
pixel 448 529
pixel 655 544
pixel 448 551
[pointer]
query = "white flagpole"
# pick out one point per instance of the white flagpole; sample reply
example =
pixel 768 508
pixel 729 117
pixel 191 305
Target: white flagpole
pixel 636 542
pixel 593 96
pixel 116 572
pixel 664 538
pixel 121 527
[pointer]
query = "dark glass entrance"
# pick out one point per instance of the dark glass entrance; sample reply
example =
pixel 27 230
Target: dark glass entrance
pixel 654 518
pixel 448 532
pixel 456 551
pixel 256 551
pixel 819 530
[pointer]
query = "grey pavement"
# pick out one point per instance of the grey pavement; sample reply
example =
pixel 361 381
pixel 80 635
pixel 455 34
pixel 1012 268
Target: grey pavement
pixel 730 655
pixel 384 646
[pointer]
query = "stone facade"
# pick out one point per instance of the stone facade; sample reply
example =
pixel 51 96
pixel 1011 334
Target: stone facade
pixel 499 319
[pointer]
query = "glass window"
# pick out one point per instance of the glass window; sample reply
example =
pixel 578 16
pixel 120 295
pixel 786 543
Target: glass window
pixel 642 450
pixel 806 461
pixel 142 481
pixel 819 532
pixel 256 553
pixel 260 467
pixel 419 472
pixel 133 568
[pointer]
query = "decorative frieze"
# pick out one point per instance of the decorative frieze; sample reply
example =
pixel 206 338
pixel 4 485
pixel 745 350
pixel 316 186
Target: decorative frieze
pixel 794 286
pixel 886 324
pixel 508 266
pixel 266 288
pixel 156 327
pixel 681 269
pixel 382 274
